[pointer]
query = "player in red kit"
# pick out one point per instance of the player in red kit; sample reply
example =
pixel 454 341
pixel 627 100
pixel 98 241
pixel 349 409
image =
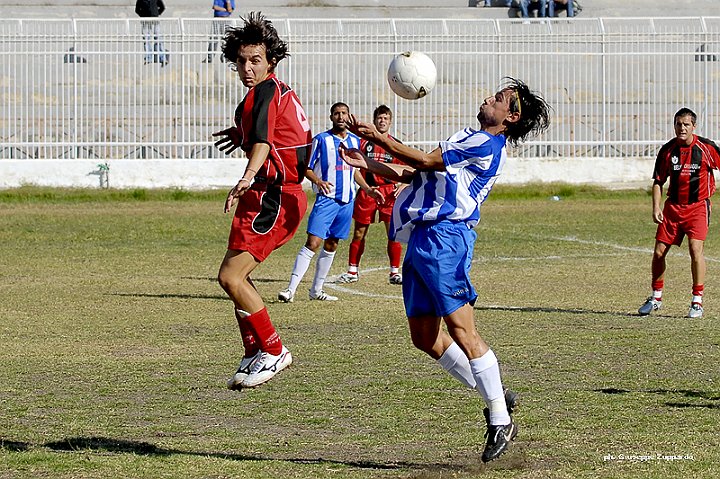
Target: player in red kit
pixel 272 129
pixel 366 207
pixel 688 162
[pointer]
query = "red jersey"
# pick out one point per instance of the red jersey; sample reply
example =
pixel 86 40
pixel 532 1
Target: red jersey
pixel 271 113
pixel 377 153
pixel 689 169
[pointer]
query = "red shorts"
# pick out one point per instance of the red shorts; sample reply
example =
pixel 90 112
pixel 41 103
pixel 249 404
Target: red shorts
pixel 679 220
pixel 365 206
pixel 266 218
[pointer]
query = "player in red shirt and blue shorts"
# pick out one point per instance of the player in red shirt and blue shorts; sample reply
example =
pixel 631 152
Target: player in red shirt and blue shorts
pixel 272 129
pixel 367 207
pixel 688 162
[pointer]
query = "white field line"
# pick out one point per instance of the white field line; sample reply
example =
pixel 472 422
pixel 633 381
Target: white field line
pixel 573 239
pixel 332 283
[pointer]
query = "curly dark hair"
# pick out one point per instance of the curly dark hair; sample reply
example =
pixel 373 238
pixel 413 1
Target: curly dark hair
pixel 257 30
pixel 533 109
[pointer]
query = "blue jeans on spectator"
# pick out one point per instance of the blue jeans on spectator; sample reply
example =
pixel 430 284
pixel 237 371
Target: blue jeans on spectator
pixel 524 8
pixel 550 4
pixel 488 3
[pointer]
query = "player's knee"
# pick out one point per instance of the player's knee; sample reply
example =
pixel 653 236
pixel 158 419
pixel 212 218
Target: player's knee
pixel 230 281
pixel 423 343
pixel 225 280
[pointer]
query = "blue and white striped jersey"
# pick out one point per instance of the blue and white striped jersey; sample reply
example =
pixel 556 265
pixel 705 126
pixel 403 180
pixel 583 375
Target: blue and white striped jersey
pixel 473 161
pixel 326 163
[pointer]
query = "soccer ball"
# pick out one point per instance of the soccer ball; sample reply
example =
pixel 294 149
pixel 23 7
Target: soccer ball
pixel 412 75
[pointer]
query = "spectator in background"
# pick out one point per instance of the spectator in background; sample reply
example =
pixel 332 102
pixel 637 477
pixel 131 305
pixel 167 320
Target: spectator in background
pixel 524 6
pixel 222 9
pixel 489 3
pixel 547 7
pixel 154 49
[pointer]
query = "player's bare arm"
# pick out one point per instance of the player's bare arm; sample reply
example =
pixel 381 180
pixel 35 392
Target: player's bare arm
pixel 257 156
pixel 371 191
pixel 411 156
pixel 657 203
pixel 323 186
pixel 391 171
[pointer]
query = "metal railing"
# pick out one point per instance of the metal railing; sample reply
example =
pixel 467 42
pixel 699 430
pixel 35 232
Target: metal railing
pixel 105 89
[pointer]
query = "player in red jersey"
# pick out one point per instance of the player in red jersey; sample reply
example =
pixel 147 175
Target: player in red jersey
pixel 688 161
pixel 366 207
pixel 273 131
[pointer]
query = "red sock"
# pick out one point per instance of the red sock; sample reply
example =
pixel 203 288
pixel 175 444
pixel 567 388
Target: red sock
pixel 248 337
pixel 657 286
pixel 265 332
pixel 698 289
pixel 394 250
pixel 357 248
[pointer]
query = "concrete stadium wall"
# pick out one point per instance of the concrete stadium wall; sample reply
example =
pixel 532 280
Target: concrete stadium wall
pixel 205 174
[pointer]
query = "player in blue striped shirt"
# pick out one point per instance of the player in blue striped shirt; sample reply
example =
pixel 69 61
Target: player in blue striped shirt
pixel 435 215
pixel 334 184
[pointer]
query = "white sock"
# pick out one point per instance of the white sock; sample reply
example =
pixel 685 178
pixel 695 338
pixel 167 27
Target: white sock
pixel 352 269
pixel 394 270
pixel 302 263
pixel 697 299
pixel 657 294
pixel 322 268
pixel 486 371
pixel 456 363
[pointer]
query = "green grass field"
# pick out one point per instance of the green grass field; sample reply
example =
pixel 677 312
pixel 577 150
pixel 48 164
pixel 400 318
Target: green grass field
pixel 116 341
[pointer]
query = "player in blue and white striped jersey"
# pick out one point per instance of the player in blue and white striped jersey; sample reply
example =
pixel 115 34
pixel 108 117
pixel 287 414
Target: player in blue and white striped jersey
pixel 473 161
pixel 335 176
pixel 435 215
pixel 333 181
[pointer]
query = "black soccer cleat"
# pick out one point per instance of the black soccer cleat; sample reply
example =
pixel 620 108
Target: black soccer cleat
pixel 499 437
pixel 498 440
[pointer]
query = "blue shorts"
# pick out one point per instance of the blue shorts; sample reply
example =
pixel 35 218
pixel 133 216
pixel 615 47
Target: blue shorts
pixel 436 269
pixel 330 218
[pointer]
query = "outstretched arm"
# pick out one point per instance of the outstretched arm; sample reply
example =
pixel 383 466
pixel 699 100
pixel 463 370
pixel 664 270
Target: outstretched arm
pixel 411 156
pixel 391 171
pixel 371 191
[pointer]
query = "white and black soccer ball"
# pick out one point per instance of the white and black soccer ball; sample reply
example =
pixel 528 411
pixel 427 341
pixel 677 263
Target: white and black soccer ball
pixel 412 75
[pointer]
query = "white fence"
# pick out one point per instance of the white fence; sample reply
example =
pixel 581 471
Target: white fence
pixel 89 90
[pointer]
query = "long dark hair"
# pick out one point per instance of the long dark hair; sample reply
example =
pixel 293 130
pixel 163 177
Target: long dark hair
pixel 534 112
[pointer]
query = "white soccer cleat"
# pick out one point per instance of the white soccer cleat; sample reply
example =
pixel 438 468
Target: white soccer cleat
pixel 323 296
pixel 266 367
pixel 242 372
pixel 395 278
pixel 696 311
pixel 347 278
pixel 286 296
pixel 651 304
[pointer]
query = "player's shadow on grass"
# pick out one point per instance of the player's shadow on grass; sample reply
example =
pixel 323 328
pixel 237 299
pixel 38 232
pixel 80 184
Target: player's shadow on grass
pixel 688 393
pixel 213 279
pixel 541 309
pixel 14 446
pixel 122 446
pixel 172 295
